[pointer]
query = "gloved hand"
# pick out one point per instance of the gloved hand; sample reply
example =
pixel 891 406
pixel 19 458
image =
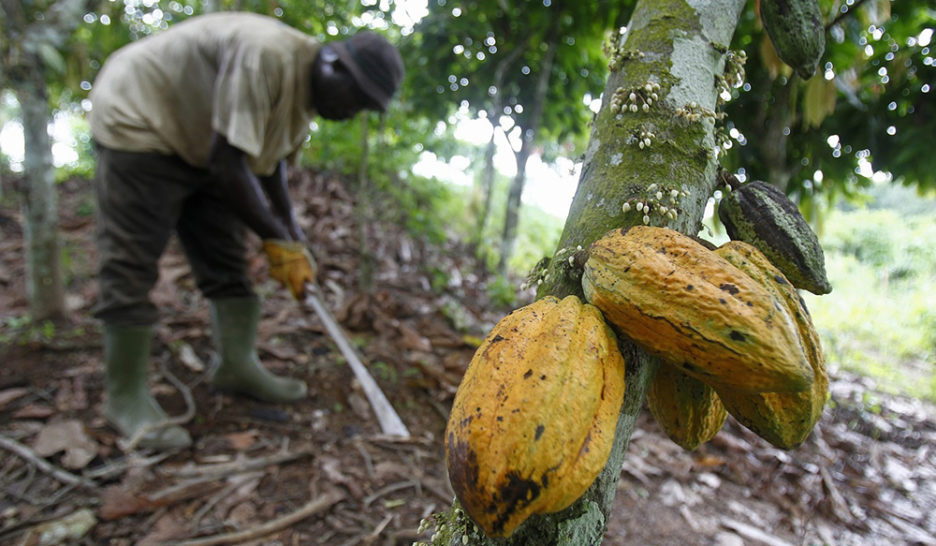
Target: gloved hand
pixel 291 264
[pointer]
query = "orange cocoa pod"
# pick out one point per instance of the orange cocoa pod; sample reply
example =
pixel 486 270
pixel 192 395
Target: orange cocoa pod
pixel 533 421
pixel 783 419
pixel 680 301
pixel 688 410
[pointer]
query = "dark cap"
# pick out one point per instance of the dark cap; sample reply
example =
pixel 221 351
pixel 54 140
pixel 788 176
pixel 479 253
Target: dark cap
pixel 375 64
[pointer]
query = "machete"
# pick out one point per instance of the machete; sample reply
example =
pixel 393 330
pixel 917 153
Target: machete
pixel 390 422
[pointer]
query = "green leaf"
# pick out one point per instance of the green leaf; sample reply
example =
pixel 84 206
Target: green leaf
pixel 818 102
pixel 51 58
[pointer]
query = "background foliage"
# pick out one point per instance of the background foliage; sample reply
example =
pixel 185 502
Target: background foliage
pixel 879 318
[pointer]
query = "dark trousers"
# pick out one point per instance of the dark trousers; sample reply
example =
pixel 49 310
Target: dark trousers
pixel 141 199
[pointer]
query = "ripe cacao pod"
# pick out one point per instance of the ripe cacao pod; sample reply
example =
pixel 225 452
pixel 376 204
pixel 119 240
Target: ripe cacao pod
pixel 797 32
pixel 688 410
pixel 682 302
pixel 783 419
pixel 533 420
pixel 761 215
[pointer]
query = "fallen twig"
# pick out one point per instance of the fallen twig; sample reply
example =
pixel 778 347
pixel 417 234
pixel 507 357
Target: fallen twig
pixel 389 489
pixel 224 493
pixel 753 533
pixel 43 465
pixel 401 440
pixel 370 538
pixel 132 442
pixel 322 503
pixel 912 532
pixel 237 466
pixel 118 502
pixel 837 502
pixel 368 463
pixel 120 466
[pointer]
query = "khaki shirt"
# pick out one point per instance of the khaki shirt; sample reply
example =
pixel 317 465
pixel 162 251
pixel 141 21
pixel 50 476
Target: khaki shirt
pixel 242 75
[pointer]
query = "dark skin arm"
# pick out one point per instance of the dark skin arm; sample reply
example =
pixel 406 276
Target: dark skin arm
pixel 248 194
pixel 277 192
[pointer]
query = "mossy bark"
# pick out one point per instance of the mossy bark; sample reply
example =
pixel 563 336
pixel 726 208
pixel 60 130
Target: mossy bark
pixel 44 282
pixel 32 38
pixel 679 46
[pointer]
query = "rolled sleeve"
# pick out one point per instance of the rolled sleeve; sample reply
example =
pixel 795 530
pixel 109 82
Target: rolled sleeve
pixel 243 101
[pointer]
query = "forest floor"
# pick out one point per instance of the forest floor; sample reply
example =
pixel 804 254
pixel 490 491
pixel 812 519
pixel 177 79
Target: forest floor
pixel 866 476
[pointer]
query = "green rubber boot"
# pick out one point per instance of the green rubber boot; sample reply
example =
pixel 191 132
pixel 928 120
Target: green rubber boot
pixel 130 405
pixel 235 323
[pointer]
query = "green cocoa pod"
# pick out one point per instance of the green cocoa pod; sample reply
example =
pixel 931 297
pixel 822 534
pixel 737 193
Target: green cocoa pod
pixel 796 30
pixel 761 215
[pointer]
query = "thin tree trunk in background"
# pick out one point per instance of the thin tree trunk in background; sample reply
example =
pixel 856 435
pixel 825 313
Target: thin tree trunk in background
pixel 365 213
pixel 494 113
pixel 3 119
pixel 528 138
pixel 40 205
pixel 773 144
pixel 683 49
pixel 487 187
pixel 512 211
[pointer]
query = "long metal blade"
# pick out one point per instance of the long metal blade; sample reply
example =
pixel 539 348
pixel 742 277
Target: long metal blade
pixel 389 420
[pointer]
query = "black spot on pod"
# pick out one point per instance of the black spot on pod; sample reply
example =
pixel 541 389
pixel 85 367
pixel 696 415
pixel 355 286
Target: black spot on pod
pixel 730 288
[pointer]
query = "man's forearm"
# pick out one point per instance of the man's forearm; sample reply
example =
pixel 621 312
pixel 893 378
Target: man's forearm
pixel 251 207
pixel 244 192
pixel 277 192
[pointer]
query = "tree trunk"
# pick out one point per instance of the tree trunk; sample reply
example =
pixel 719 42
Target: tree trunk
pixel 44 277
pixel 514 195
pixel 679 45
pixel 25 73
pixel 494 113
pixel 776 131
pixel 528 138
pixel 365 214
pixel 487 184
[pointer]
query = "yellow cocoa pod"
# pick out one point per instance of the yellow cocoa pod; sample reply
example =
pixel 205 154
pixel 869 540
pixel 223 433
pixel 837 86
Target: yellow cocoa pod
pixel 783 419
pixel 533 420
pixel 692 308
pixel 687 409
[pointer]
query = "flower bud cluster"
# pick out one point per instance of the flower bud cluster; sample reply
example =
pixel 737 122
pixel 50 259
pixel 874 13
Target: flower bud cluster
pixel 723 141
pixel 446 526
pixel 644 139
pixel 694 112
pixel 619 57
pixel 734 68
pixel 733 76
pixel 660 201
pixel 540 272
pixel 636 99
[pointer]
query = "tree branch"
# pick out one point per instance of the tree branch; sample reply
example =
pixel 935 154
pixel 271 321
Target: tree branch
pixel 850 11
